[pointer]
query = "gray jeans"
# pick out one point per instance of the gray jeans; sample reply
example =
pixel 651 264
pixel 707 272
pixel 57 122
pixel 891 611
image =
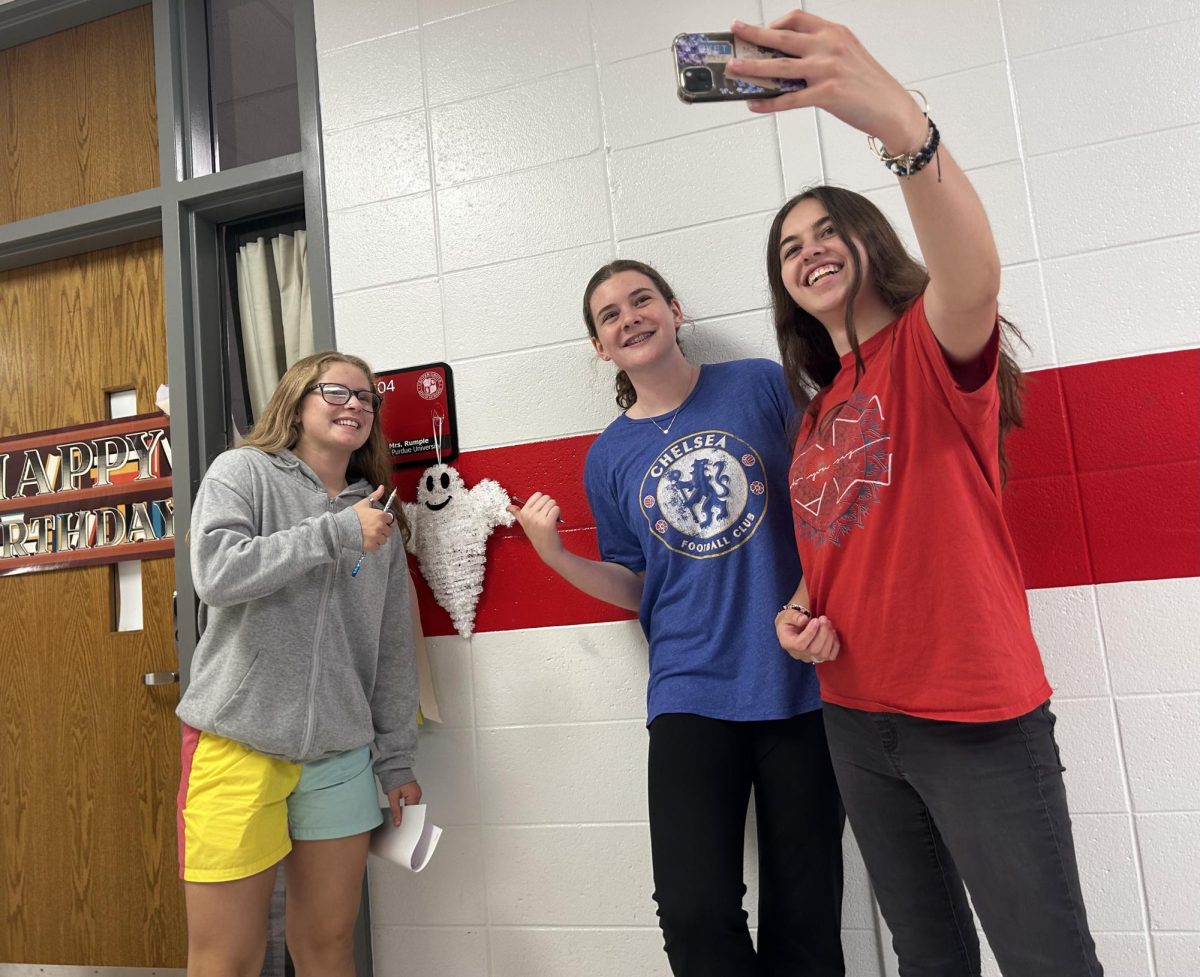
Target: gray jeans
pixel 936 804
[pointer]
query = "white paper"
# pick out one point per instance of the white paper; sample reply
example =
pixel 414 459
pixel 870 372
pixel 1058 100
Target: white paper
pixel 412 844
pixel 123 403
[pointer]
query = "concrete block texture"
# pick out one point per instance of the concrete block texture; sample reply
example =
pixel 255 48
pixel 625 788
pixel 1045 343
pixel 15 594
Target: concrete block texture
pixel 697 178
pixel 1151 311
pixel 403 950
pixel 1161 734
pixel 541 121
pixel 376 160
pixel 1170 849
pixel 500 46
pixel 736 284
pixel 400 324
pixel 1176 953
pixel 381 243
pixel 525 302
pixel 372 80
pixel 449 892
pixel 624 29
pixel 560 675
pixel 1032 26
pixel 1085 204
pixel 1077 117
pixel 528 212
pixel 355 21
pixel 1150 629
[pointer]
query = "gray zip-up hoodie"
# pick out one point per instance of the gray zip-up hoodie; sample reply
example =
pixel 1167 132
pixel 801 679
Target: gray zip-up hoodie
pixel 298 659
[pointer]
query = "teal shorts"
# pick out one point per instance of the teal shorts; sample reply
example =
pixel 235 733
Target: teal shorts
pixel 335 798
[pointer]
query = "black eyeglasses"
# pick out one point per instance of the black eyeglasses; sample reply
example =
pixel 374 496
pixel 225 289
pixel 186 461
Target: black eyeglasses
pixel 338 394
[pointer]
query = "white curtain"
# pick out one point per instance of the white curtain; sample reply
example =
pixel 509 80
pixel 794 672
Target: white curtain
pixel 276 311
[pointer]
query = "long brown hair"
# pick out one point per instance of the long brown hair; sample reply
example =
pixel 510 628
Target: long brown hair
pixel 277 427
pixel 626 395
pixel 809 358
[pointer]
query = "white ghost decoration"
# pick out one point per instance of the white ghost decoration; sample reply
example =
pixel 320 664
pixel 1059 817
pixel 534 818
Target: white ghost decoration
pixel 450 527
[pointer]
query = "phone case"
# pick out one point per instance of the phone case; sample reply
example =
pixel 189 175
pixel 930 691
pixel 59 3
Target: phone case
pixel 700 74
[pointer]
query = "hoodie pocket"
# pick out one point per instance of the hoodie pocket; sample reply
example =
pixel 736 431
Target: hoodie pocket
pixel 221 711
pixel 255 713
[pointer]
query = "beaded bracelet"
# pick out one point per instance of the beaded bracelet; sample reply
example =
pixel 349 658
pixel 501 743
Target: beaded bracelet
pixel 906 164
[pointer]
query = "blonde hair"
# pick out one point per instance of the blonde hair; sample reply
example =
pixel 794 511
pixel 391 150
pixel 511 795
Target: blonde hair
pixel 277 427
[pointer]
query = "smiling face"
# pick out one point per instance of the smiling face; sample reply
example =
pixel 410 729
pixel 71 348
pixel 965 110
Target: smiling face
pixel 635 325
pixel 438 486
pixel 815 262
pixel 334 428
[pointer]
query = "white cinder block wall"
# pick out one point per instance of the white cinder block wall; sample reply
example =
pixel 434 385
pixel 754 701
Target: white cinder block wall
pixel 483 158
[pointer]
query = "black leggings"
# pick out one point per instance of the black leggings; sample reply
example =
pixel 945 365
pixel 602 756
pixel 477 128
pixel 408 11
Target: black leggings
pixel 700 774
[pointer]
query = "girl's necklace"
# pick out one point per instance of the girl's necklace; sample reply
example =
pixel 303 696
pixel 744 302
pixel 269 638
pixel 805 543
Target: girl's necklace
pixel 667 429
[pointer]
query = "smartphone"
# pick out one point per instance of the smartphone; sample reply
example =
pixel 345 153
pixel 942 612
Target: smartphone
pixel 700 61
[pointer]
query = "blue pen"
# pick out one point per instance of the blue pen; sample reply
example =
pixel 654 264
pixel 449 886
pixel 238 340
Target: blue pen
pixel 387 507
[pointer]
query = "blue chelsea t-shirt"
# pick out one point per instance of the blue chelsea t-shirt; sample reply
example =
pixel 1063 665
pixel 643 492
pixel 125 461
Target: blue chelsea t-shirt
pixel 704 511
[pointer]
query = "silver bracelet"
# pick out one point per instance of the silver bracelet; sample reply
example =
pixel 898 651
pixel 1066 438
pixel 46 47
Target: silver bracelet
pixel 795 607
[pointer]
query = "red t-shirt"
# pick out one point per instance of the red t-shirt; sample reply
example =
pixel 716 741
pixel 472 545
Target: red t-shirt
pixel 896 499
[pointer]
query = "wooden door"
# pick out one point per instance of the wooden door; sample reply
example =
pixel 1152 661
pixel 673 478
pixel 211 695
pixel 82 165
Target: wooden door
pixel 78 118
pixel 88 754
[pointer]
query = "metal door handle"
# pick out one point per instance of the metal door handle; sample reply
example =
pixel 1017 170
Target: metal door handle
pixel 160 678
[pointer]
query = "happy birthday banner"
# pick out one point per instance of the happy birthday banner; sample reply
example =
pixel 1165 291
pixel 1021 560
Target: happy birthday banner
pixel 89 494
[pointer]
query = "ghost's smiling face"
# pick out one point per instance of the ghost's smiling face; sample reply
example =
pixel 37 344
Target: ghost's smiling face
pixel 438 486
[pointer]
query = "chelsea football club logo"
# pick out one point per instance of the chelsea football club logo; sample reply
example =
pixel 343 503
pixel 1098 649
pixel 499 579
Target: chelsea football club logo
pixel 705 495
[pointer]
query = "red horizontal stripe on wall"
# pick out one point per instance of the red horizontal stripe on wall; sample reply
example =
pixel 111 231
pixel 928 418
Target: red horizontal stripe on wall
pixel 519 590
pixel 1125 434
pixel 1135 425
pixel 1104 486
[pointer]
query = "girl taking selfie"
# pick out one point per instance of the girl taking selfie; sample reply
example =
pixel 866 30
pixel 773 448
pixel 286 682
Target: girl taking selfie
pixel 936 704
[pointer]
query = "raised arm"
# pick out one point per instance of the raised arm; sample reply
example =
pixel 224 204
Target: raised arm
pixel 232 563
pixel 609 582
pixel 950 223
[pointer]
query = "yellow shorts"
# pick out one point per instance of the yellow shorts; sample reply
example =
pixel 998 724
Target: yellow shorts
pixel 239 810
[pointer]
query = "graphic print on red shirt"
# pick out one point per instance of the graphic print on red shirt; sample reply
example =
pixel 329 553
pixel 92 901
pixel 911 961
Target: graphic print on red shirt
pixel 838 475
